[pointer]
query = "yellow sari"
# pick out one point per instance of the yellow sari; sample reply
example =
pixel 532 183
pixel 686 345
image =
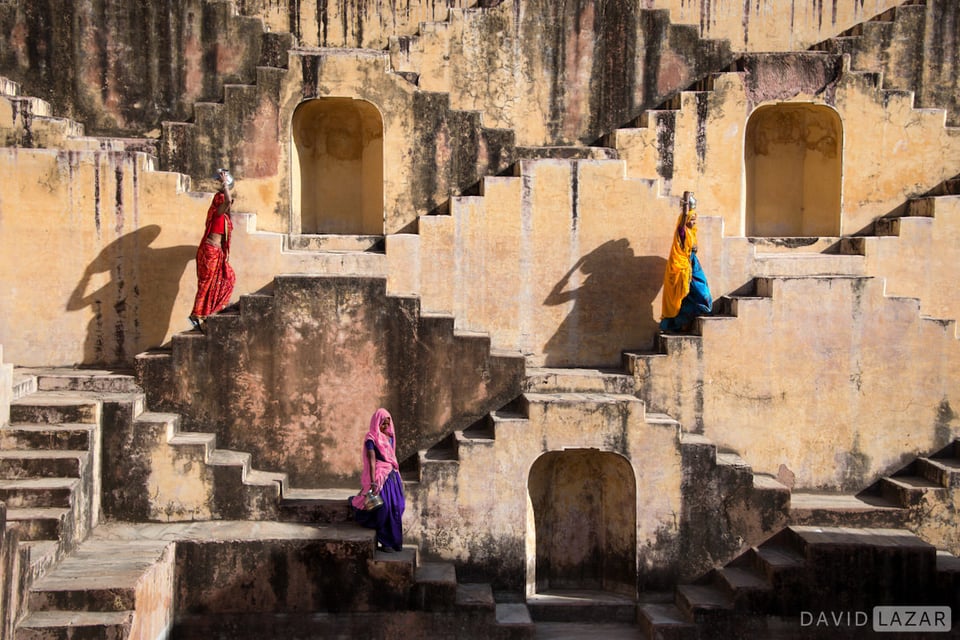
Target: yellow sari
pixel 679 271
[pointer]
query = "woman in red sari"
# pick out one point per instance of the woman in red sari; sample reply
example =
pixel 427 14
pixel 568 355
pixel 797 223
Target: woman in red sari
pixel 215 276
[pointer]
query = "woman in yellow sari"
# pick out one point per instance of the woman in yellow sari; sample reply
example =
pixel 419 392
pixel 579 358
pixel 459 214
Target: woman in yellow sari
pixel 685 291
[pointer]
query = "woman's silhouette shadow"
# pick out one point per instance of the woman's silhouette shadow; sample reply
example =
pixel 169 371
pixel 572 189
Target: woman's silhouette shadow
pixel 132 311
pixel 612 306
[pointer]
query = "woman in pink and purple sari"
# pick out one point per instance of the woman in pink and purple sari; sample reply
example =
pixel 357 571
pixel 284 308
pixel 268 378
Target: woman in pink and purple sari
pixel 381 475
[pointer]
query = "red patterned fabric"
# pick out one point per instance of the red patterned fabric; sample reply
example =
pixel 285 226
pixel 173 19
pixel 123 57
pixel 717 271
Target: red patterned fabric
pixel 215 276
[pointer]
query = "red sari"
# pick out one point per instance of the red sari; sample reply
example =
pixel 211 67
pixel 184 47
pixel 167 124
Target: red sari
pixel 215 276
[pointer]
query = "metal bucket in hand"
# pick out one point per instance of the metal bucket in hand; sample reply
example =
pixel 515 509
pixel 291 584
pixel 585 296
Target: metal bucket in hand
pixel 371 501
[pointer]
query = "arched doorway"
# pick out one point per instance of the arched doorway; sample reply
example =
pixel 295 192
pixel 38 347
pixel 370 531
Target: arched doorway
pixel 337 171
pixel 793 164
pixel 585 522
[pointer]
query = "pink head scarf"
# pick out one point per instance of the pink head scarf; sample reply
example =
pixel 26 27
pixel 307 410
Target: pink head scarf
pixel 387 451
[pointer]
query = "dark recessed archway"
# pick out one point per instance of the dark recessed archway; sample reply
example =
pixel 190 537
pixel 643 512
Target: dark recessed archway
pixel 585 523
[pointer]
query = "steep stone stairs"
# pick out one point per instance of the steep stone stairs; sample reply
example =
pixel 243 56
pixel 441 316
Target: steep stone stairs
pixel 189 147
pixel 29 122
pixel 51 461
pixel 120 579
pixel 899 44
pixel 905 499
pixel 57 460
pixel 902 246
pixel 599 402
pixel 763 592
pixel 173 376
pixel 652 147
pixel 243 580
pixel 435 58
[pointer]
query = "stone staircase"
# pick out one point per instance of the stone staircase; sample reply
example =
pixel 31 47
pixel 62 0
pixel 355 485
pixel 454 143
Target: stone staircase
pixel 189 147
pixel 884 44
pixel 245 580
pixel 700 113
pixel 899 247
pixel 104 589
pixel 51 462
pixel 763 592
pixel 61 470
pixel 251 337
pixel 581 408
pixel 437 58
pixel 29 122
pixel 918 497
pixel 135 580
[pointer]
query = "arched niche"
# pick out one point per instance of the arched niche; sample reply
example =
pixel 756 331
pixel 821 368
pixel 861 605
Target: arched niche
pixel 337 168
pixel 584 506
pixel 794 163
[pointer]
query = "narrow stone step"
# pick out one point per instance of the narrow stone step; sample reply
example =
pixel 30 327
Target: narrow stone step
pixel 98 576
pixel 745 586
pixel 666 622
pixel 317 505
pixel 54 408
pixel 42 464
pixel 514 616
pixel 555 380
pixel 907 491
pixel 334 243
pixel 75 625
pixel 201 444
pixel 576 398
pixel 581 606
pixel 843 538
pixel 37 492
pixel 46 436
pixel 435 586
pixel 87 380
pixel 941 471
pixel 774 561
pixel 37 523
pixel 584 630
pixel 260 478
pixel 703 602
pixel 808 264
pixel 41 554
pixel 475 596
pixel 663 420
pixel 845 510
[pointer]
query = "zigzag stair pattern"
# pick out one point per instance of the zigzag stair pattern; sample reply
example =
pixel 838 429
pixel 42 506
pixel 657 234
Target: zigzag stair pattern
pixel 764 591
pixel 102 585
pixel 326 504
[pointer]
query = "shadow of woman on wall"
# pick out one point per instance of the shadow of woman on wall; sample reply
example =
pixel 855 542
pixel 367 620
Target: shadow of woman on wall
pixel 612 306
pixel 132 310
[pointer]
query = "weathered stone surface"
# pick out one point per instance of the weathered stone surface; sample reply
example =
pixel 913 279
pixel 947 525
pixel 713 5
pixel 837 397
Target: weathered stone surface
pixel 295 383
pixel 142 63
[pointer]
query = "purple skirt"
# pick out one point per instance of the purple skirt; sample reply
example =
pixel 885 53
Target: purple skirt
pixel 387 520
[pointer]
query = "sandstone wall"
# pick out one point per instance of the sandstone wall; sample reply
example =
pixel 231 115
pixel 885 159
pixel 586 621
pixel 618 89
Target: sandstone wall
pixel 125 67
pixel 294 378
pixel 824 382
pixel 891 150
pixel 116 274
pixel 484 509
pixel 563 264
pixel 772 25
